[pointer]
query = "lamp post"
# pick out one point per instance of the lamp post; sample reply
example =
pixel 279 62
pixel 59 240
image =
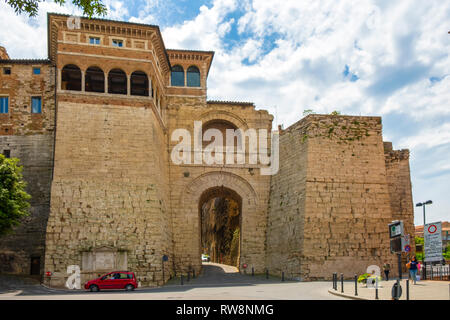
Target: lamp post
pixel 423 204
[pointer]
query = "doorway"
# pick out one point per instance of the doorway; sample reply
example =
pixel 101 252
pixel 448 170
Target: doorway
pixel 220 210
pixel 35 266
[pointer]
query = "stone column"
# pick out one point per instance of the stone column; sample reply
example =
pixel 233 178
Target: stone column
pixel 106 83
pixel 59 79
pixel 128 85
pixel 150 87
pixel 83 80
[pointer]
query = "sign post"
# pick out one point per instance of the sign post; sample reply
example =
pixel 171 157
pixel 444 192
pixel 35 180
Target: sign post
pixel 432 236
pixel 396 232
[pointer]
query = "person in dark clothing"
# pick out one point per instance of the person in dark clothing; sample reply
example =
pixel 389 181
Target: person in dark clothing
pixel 387 268
pixel 412 265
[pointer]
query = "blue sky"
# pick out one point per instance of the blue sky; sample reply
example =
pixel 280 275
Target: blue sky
pixel 365 57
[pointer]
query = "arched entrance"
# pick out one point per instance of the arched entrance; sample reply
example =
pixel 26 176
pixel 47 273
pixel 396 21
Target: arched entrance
pixel 187 221
pixel 220 223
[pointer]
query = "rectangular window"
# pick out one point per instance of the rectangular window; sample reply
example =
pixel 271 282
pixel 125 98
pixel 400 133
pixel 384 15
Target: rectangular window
pixel 36 105
pixel 117 43
pixel 7 71
pixel 36 70
pixel 94 40
pixel 4 104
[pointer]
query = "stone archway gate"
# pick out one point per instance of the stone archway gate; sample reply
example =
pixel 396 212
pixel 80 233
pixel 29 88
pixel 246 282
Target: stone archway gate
pixel 187 221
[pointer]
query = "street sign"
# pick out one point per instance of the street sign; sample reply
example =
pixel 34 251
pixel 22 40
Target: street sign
pixel 396 229
pixel 396 245
pixel 406 244
pixel 165 258
pixel 433 242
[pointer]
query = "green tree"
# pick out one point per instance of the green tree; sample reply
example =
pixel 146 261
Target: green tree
pixel 14 200
pixel 89 7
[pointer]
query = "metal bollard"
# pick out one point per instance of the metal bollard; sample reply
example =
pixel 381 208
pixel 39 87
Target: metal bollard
pixel 376 289
pixel 253 271
pixel 181 279
pixel 335 281
pixel 332 281
pixel 356 285
pixel 282 276
pixel 189 276
pixel 193 273
pixel 342 283
pixel 407 289
pixel 267 273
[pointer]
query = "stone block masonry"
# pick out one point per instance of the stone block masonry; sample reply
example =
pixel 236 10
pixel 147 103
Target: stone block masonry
pixel 343 194
pixel 109 190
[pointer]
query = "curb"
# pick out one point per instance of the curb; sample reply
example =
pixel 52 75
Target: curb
pixel 334 292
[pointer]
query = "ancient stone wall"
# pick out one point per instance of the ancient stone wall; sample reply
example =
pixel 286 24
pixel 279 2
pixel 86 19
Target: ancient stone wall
pixel 28 239
pixel 400 190
pixel 29 137
pixel 109 192
pixel 287 205
pixel 347 204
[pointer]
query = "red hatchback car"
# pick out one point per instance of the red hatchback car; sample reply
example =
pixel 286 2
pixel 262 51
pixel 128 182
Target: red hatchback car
pixel 113 280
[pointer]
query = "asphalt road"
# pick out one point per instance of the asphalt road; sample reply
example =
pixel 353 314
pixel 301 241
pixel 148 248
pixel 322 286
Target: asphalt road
pixel 217 282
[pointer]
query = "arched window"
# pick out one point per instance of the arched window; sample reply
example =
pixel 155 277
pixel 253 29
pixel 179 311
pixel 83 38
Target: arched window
pixel 222 126
pixel 139 83
pixel 117 82
pixel 71 78
pixel 177 76
pixel 94 80
pixel 193 77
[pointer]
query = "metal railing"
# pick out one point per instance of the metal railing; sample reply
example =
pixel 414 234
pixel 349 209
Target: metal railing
pixel 435 272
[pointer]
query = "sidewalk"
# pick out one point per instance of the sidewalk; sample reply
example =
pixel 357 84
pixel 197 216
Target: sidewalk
pixel 423 290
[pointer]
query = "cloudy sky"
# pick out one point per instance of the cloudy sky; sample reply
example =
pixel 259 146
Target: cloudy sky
pixel 365 57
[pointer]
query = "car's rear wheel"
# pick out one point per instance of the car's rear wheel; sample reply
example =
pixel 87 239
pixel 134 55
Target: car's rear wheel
pixel 129 287
pixel 94 288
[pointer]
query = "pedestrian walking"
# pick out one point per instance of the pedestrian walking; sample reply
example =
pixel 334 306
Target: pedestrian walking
pixel 412 266
pixel 386 268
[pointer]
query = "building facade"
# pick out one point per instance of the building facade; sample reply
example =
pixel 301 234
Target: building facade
pixel 95 125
